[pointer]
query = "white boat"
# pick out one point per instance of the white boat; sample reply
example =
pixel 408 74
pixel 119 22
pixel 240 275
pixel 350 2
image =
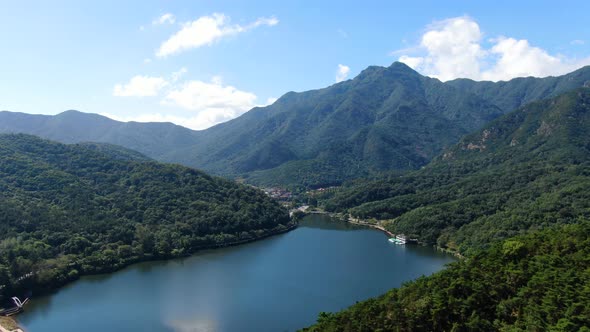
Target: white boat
pixel 401 239
pixel 398 239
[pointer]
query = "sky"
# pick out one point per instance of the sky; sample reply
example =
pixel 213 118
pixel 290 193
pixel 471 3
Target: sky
pixel 201 62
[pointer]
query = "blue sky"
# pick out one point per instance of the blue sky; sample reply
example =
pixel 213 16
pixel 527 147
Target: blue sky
pixel 200 62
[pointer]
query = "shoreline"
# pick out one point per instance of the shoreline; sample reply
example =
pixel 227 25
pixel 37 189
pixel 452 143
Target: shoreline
pixel 357 222
pixel 289 227
pixel 377 227
pixel 353 221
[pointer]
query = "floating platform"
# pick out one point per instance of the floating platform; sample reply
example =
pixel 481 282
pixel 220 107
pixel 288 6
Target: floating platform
pixel 18 308
pixel 397 240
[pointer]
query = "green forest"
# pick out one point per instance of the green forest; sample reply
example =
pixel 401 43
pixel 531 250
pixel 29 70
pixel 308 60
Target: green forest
pixel 525 171
pixel 513 199
pixel 72 210
pixel 537 282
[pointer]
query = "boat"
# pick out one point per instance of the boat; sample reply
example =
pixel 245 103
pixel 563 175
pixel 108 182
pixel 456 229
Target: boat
pixel 398 239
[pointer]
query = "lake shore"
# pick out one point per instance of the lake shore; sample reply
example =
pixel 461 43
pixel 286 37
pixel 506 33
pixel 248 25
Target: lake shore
pixel 360 222
pixel 353 221
pixel 237 283
pixel 8 321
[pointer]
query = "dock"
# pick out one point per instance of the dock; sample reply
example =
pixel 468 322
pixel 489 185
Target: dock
pixel 18 307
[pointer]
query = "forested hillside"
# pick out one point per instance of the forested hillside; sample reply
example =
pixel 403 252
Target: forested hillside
pixel 538 282
pixel 386 118
pixel 70 210
pixel 525 171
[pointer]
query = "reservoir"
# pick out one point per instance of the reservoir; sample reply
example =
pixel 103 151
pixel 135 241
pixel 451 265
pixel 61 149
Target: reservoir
pixel 277 284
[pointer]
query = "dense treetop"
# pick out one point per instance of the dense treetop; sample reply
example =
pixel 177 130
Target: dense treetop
pixel 67 210
pixel 524 171
pixel 538 282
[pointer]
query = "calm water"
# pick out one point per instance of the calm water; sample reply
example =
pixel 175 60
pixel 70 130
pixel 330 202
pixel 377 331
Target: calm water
pixel 277 284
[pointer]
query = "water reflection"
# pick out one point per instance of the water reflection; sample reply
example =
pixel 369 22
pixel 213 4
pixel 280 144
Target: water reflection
pixel 323 221
pixel 277 284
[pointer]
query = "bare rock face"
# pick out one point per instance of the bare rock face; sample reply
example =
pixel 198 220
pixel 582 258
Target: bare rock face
pixel 485 136
pixel 479 147
pixel 448 155
pixel 545 129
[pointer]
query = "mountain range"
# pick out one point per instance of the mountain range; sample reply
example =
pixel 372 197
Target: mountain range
pixel 513 198
pixel 526 170
pixel 386 118
pixel 495 172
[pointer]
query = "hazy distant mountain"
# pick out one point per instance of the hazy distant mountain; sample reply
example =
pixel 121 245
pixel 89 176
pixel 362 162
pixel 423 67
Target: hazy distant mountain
pixel 384 119
pixel 520 91
pixel 151 139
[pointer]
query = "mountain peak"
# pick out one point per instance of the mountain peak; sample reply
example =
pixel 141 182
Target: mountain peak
pixel 397 68
pixel 402 66
pixel 71 112
pixel 370 71
pixel 75 113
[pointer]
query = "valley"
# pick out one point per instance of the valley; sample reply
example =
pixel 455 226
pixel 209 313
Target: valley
pixel 221 166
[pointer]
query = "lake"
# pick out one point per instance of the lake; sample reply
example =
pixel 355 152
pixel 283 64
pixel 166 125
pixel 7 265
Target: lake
pixel 277 284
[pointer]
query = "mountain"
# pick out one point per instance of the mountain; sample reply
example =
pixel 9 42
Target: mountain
pixel 537 282
pixel 518 92
pixel 152 139
pixel 513 198
pixel 71 210
pixel 527 170
pixel 386 118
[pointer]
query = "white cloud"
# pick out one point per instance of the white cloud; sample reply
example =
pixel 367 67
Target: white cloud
pixel 577 42
pixel 270 101
pixel 198 105
pixel 453 48
pixel 218 80
pixel 208 103
pixel 147 60
pixel 342 73
pixel 140 86
pixel 414 62
pixel 178 74
pixel 190 103
pixel 206 30
pixel 517 58
pixel 164 19
pixel 195 95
